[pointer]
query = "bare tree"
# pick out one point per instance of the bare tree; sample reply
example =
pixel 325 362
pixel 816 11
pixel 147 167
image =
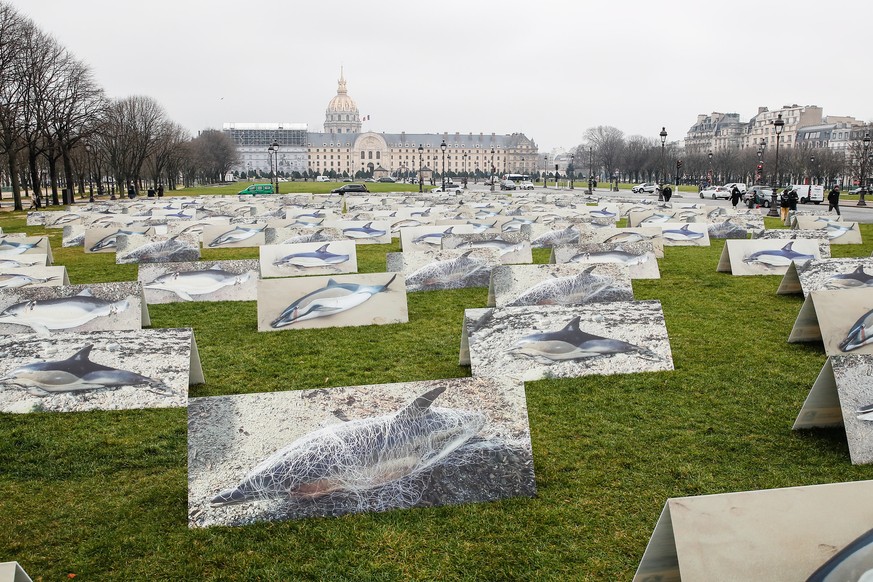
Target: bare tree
pixel 14 31
pixel 216 154
pixel 608 145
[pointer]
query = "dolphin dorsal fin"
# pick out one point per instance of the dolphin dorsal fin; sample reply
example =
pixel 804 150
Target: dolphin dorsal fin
pixel 788 246
pixel 587 271
pixel 86 292
pixel 686 228
pixel 466 254
pixel 424 401
pixel 368 225
pixel 573 325
pixel 448 230
pixel 215 267
pixel 81 355
pixel 332 283
pixel 323 248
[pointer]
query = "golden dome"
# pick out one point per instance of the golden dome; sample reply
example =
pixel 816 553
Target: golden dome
pixel 342 103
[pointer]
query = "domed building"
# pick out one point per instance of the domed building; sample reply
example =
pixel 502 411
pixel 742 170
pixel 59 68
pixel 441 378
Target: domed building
pixel 342 115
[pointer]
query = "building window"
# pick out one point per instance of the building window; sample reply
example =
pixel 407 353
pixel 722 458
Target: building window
pixel 363 155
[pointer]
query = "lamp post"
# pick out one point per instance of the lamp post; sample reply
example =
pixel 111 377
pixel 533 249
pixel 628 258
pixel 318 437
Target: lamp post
pixel 443 147
pixel 572 170
pixel 420 168
pixel 778 126
pixel 464 157
pixel 760 163
pixel 545 171
pixel 492 169
pixel 864 160
pixel 276 173
pixel 663 136
pixel 811 173
pixel 88 149
pixel 270 151
pixel 590 170
pixel 709 177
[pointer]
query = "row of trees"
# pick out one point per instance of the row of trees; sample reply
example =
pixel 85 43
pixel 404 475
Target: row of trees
pixel 641 159
pixel 59 130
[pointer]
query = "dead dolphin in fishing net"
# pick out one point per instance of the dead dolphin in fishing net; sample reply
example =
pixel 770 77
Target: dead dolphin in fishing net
pixel 78 373
pixel 584 287
pixel 450 274
pixel 361 455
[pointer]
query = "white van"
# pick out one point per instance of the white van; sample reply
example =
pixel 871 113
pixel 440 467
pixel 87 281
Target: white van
pixel 740 186
pixel 809 193
pixel 322 179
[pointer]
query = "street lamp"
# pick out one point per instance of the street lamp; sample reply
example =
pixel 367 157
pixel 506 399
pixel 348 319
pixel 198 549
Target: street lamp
pixel 590 170
pixel 663 135
pixel 420 168
pixel 88 149
pixel 811 167
pixel 545 170
pixel 275 147
pixel 492 168
pixel 572 169
pixel 270 151
pixel 443 147
pixel 709 177
pixel 464 156
pixel 778 126
pixel 864 159
pixel 760 177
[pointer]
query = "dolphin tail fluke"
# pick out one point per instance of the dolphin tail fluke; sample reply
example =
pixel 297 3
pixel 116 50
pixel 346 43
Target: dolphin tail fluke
pixel 386 285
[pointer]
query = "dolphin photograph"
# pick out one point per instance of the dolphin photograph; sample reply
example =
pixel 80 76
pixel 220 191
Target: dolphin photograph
pixel 297 303
pixel 320 257
pixel 47 309
pixel 519 285
pixel 101 370
pixel 860 334
pixel 11 247
pixel 238 236
pixel 857 278
pixel 316 258
pixel 15 280
pixel 777 259
pixel 371 231
pixel 429 237
pixel 290 455
pixel 536 342
pixel 685 234
pixel 157 249
pixel 108 238
pixel 454 269
pixel 200 281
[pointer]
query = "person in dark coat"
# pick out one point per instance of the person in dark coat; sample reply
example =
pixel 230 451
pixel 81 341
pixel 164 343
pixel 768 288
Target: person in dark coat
pixel 834 199
pixel 783 204
pixel 792 201
pixel 735 196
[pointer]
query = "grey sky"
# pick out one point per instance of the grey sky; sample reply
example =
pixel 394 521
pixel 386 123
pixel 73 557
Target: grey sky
pixel 547 69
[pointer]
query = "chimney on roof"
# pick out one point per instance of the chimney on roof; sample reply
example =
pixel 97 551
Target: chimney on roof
pixel 762 110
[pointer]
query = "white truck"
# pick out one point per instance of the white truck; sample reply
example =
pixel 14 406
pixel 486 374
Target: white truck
pixel 809 193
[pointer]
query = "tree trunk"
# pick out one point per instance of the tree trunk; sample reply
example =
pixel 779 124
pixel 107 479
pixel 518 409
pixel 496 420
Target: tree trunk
pixel 53 176
pixel 34 173
pixel 68 176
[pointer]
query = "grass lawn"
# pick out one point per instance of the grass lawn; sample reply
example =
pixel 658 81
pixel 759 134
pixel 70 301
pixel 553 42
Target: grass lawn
pixel 103 494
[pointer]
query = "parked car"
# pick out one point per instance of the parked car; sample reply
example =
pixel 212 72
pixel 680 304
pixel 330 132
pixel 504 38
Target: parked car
pixel 856 191
pixel 645 188
pixel 256 189
pixel 347 179
pixel 716 192
pixel 507 185
pixel 739 185
pixel 453 188
pixel 451 185
pixel 350 188
pixel 526 185
pixel 387 179
pixel 371 180
pixel 758 195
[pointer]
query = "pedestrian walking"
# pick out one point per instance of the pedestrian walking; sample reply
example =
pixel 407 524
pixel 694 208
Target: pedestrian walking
pixel 783 204
pixel 834 200
pixel 792 201
pixel 735 196
pixel 160 191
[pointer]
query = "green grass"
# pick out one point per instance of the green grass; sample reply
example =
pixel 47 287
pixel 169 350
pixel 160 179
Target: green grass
pixel 103 494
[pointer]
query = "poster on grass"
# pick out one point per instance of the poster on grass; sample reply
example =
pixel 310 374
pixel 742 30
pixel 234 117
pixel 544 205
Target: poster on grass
pixel 328 452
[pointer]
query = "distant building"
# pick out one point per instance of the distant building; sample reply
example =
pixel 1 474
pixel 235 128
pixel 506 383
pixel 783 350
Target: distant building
pixel 343 149
pixel 720 131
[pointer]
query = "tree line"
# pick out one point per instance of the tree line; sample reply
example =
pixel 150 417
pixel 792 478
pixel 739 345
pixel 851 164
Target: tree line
pixel 607 153
pixel 60 133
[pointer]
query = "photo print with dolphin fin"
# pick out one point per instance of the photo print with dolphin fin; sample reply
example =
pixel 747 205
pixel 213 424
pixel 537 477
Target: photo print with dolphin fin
pixel 200 281
pixel 95 307
pixel 315 258
pixel 512 247
pixel 226 236
pixel 837 232
pixel 841 319
pixel 623 236
pixel 685 234
pixel 329 452
pixel 341 301
pixel 564 284
pixel 842 395
pixel 532 343
pixel 13 246
pixel 765 256
pixel 101 370
pixel 638 256
pixel 105 239
pixel 73 236
pixel 293 236
pixel 364 232
pixel 61 218
pixel 430 237
pixel 37 276
pixel 772 534
pixel 138 248
pixel 824 245
pixel 824 274
pixel 437 270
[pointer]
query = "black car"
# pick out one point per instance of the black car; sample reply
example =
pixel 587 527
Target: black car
pixel 759 195
pixel 349 188
pixel 387 179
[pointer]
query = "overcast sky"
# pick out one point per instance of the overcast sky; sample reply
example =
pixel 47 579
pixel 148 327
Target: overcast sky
pixel 548 69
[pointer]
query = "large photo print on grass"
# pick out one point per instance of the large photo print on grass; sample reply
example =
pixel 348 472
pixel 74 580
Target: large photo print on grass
pixel 296 454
